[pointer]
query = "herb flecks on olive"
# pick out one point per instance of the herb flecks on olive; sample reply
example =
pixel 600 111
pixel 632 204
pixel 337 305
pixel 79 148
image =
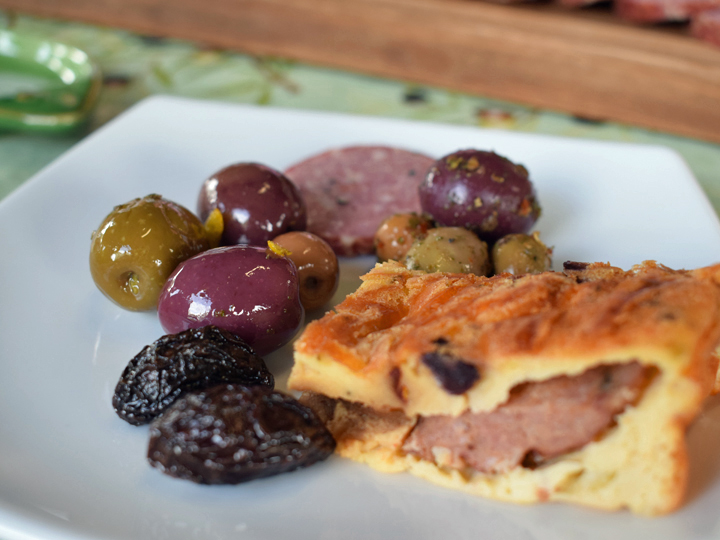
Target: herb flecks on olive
pixel 481 191
pixel 230 434
pixel 450 249
pixel 521 254
pixel 138 245
pixel 317 266
pixel 178 363
pixel 397 233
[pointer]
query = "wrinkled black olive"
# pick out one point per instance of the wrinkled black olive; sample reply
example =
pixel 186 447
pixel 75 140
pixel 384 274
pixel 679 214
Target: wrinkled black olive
pixel 177 363
pixel 230 433
pixel 453 374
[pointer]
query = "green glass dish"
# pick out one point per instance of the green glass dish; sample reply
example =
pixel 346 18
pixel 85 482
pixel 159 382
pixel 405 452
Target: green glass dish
pixel 45 86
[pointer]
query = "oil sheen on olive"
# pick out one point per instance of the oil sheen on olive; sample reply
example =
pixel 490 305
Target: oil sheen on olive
pixel 257 203
pixel 244 289
pixel 178 363
pixel 317 266
pixel 231 433
pixel 481 191
pixel 397 233
pixel 521 254
pixel 449 249
pixel 138 245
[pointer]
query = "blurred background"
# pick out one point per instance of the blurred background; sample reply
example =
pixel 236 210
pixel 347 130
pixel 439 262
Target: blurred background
pixel 644 71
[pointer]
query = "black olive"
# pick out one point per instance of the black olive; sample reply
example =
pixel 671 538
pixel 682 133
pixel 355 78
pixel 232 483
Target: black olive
pixel 453 374
pixel 230 433
pixel 177 363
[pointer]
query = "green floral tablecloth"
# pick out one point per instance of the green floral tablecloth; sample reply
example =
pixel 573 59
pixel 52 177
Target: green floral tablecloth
pixel 135 67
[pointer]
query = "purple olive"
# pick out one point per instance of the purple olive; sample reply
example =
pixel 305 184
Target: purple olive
pixel 243 289
pixel 257 203
pixel 480 191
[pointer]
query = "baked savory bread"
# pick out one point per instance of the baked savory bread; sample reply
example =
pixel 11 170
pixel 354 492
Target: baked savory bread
pixel 563 386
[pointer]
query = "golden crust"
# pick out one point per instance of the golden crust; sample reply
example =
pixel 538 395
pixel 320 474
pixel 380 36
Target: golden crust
pixel 371 350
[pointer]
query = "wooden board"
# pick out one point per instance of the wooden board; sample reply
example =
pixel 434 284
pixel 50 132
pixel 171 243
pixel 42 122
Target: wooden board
pixel 590 66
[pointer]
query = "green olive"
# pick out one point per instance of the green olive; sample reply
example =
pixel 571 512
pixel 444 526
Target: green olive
pixel 138 245
pixel 449 249
pixel 397 233
pixel 521 254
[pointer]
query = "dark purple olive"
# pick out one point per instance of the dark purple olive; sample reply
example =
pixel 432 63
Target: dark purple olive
pixel 257 203
pixel 243 289
pixel 481 191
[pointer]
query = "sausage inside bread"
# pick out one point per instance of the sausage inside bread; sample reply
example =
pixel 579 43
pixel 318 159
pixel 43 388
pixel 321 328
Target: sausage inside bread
pixel 572 386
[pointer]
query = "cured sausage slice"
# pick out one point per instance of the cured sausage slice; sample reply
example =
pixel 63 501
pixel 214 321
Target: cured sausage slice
pixel 350 191
pixel 540 420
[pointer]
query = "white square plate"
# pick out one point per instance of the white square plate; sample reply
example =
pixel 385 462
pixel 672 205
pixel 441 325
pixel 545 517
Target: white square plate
pixel 70 469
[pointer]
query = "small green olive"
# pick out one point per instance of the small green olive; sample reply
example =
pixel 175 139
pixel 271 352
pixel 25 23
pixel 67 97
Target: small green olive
pixel 138 245
pixel 521 254
pixel 450 249
pixel 397 233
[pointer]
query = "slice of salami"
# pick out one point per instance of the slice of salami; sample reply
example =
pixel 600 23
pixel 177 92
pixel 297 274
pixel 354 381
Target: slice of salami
pixel 350 191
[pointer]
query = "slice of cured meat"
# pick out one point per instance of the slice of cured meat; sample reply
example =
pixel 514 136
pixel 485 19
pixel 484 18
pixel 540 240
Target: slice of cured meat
pixel 706 26
pixel 540 420
pixel 662 10
pixel 350 191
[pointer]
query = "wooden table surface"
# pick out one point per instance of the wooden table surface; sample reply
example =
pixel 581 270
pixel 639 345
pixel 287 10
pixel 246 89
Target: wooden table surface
pixel 577 62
